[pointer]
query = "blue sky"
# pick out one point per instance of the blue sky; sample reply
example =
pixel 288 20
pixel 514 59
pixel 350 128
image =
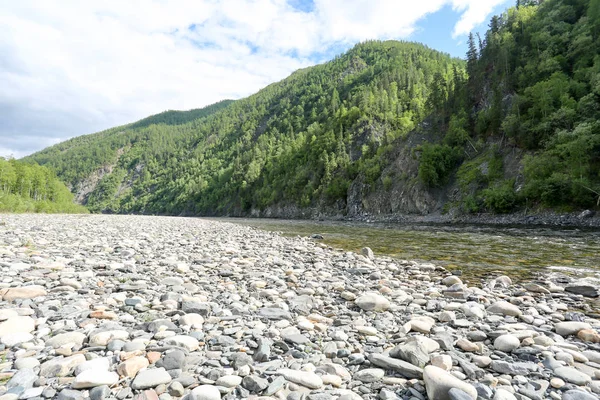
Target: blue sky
pixel 69 68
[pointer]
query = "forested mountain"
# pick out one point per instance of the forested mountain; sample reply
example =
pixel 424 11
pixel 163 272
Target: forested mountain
pixel 389 127
pixel 32 188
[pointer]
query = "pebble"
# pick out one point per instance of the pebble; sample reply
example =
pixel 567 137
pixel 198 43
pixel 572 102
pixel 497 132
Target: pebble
pixel 570 327
pixel 504 308
pixel 205 392
pixel 23 292
pixel 439 382
pixel 572 375
pixel 372 302
pixel 16 325
pixel 369 375
pixel 507 343
pixel 92 378
pixel 150 378
pixel 304 378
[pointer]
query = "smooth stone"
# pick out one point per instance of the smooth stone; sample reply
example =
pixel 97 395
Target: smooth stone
pixel 100 393
pixel 369 375
pixel 32 392
pixel 172 360
pixel 557 383
pixel 187 342
pixel 274 313
pixel 24 292
pixel 150 378
pixel 27 362
pixel 8 313
pixel 205 392
pixel 584 290
pixel 58 367
pixel 570 327
pixel 457 394
pixel 97 364
pixel 69 394
pixel 193 320
pixel 372 301
pixel 421 324
pixel 442 361
pixel 507 343
pixel 13 339
pixel 504 308
pixel 62 339
pixel 402 367
pixel 176 389
pixel 502 394
pixel 304 378
pixel 229 381
pixel 92 378
pixel 578 395
pixel 17 324
pixel 451 280
pixel 589 335
pixel 102 338
pixel 439 382
pixel 572 375
pixel 447 316
pixel 481 361
pixel 467 346
pixel 130 367
pixel 23 378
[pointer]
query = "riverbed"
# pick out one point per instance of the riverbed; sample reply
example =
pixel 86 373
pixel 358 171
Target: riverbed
pixel 478 251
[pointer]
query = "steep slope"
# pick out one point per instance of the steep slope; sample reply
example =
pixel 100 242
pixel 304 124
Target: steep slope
pixel 298 143
pixel 387 128
pixel 528 119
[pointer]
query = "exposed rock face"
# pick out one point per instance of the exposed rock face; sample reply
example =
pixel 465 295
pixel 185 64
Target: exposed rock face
pixel 151 307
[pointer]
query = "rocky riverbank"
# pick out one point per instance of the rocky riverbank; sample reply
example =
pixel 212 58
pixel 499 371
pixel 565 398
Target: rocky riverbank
pixel 582 219
pixel 165 308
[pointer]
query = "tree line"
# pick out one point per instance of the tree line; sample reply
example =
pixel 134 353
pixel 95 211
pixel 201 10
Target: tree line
pixel 28 187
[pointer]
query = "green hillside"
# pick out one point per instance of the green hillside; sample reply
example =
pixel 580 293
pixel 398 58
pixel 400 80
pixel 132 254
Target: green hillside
pixel 31 188
pixel 295 141
pixel 389 127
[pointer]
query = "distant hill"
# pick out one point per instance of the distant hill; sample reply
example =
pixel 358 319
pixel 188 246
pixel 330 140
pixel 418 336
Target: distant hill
pixel 387 128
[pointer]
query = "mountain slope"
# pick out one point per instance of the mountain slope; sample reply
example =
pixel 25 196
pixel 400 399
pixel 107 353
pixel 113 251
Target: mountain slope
pixel 387 128
pixel 300 142
pixel 82 162
pixel 535 87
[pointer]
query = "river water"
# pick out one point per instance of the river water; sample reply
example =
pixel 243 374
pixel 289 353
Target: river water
pixel 478 251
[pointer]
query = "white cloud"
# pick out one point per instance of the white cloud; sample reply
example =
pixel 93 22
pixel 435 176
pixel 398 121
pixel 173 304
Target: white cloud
pixel 473 14
pixel 74 67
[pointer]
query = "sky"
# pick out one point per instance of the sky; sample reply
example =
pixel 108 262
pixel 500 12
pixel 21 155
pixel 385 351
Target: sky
pixel 71 67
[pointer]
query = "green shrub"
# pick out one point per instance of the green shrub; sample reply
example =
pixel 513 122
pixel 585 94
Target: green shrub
pixel 500 198
pixel 437 162
pixel 387 182
pixel 337 189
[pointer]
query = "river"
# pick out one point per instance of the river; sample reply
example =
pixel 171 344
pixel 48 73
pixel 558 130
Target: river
pixel 479 251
